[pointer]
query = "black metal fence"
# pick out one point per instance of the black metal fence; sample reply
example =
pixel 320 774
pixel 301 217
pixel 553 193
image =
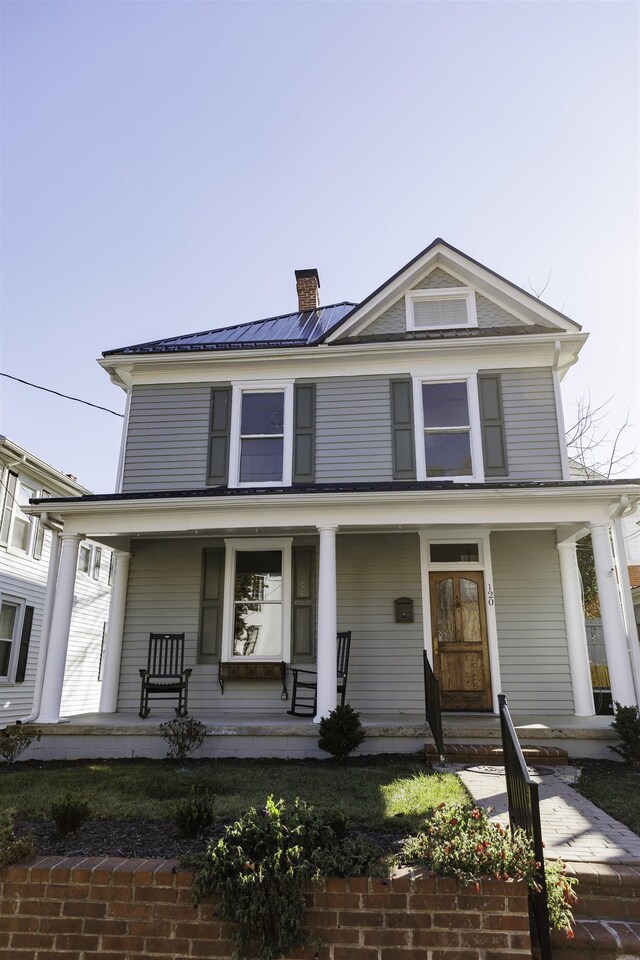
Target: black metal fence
pixel 524 812
pixel 432 705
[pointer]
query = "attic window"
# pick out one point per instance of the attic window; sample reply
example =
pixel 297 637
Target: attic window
pixel 441 309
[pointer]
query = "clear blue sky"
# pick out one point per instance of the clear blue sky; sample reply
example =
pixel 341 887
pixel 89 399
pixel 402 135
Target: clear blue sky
pixel 166 166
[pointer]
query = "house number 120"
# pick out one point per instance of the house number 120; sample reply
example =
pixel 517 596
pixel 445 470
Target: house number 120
pixel 490 595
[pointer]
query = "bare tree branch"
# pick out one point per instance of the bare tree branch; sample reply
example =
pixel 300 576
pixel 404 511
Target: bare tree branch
pixel 591 446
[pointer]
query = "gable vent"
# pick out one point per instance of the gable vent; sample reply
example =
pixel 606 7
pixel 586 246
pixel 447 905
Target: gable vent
pixel 451 312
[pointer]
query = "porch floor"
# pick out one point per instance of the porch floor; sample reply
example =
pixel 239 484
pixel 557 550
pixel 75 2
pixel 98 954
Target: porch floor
pixel 265 735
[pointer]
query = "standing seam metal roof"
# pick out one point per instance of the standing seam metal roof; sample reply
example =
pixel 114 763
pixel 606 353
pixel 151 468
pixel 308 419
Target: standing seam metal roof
pixel 289 329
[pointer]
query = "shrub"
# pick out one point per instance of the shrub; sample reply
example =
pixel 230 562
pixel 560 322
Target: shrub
pixel 462 842
pixel 261 864
pixel 193 814
pixel 626 724
pixel 13 848
pixel 341 732
pixel 69 814
pixel 183 735
pixel 15 740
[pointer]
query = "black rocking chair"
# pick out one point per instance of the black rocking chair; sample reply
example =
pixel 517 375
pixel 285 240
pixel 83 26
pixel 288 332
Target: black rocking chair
pixel 165 675
pixel 304 697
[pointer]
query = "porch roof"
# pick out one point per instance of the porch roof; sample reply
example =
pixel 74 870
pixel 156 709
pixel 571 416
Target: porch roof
pixel 568 507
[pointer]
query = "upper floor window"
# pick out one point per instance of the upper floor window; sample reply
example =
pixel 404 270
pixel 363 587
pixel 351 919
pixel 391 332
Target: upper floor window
pixel 448 440
pixel 441 309
pixel 18 531
pixel 261 435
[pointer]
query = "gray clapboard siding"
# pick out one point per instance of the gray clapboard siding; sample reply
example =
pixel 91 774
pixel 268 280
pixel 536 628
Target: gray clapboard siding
pixel 167 439
pixel 353 429
pixel 532 639
pixel 385 671
pixel 530 424
pixel 386 658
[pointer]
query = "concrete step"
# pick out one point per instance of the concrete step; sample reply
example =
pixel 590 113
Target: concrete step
pixel 491 754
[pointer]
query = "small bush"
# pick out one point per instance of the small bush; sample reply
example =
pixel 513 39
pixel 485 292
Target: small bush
pixel 69 814
pixel 15 740
pixel 261 864
pixel 13 848
pixel 460 841
pixel 341 732
pixel 194 814
pixel 626 724
pixel 183 735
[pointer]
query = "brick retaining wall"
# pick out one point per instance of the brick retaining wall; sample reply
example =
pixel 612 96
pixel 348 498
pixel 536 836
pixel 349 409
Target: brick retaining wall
pixel 112 909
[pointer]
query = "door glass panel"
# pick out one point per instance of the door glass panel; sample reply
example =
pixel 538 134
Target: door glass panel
pixel 471 632
pixel 446 612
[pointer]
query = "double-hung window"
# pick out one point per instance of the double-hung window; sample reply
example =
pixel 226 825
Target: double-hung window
pixel 17 530
pixel 258 600
pixel 261 431
pixel 448 430
pixel 10 625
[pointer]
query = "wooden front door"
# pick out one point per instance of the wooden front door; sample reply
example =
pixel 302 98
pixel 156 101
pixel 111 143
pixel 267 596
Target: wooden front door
pixel 459 631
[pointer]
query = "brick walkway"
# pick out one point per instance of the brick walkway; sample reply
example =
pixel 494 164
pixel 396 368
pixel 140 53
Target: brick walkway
pixel 573 828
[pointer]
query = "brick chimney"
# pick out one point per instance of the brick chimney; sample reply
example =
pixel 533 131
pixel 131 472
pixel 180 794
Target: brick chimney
pixel 308 285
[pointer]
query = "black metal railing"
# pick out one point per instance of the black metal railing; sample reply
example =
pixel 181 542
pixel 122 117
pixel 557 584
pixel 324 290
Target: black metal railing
pixel 432 705
pixel 524 812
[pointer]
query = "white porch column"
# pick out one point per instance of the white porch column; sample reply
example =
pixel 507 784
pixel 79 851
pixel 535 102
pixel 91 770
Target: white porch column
pixel 59 631
pixel 624 585
pixel 615 637
pixel 115 629
pixel 327 625
pixel 576 632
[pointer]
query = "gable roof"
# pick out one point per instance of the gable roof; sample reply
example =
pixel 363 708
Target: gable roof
pixel 289 329
pixel 326 324
pixel 439 252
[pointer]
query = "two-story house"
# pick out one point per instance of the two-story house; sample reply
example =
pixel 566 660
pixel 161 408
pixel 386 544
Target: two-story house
pixel 409 447
pixel 29 556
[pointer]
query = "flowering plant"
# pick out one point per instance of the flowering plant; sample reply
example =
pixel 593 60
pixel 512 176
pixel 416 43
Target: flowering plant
pixel 461 841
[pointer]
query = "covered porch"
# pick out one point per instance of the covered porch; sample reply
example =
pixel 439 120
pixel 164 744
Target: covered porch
pixel 515 543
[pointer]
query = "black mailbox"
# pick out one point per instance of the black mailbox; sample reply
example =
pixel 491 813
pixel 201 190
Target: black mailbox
pixel 404 609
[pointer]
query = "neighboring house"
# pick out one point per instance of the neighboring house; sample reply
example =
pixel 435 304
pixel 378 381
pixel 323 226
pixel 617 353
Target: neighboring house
pixel 294 476
pixel 29 550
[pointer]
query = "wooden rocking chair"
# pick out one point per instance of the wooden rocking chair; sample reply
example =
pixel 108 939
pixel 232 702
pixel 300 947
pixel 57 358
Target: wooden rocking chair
pixel 304 698
pixel 165 675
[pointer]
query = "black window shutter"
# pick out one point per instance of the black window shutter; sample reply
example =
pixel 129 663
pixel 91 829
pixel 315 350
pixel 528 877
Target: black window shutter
pixel 304 441
pixel 491 416
pixel 303 596
pixel 404 461
pixel 218 463
pixel 9 499
pixel 210 634
pixel 25 637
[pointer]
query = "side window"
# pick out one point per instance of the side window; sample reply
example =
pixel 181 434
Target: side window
pixel 17 530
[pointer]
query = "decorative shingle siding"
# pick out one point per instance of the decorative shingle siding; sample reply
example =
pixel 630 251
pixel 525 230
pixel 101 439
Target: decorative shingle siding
pixel 353 429
pixel 394 320
pixel 530 424
pixel 534 662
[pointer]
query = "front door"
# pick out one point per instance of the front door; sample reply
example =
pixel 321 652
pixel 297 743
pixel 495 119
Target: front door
pixel 459 631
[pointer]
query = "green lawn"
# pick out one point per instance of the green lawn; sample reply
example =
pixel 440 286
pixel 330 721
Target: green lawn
pixel 390 793
pixel 614 787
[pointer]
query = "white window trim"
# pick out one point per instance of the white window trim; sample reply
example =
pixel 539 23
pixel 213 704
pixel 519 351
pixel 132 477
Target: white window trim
pixel 475 433
pixel 15 507
pixel 441 293
pixel 21 603
pixel 261 386
pixel 93 549
pixel 481 536
pixel 248 544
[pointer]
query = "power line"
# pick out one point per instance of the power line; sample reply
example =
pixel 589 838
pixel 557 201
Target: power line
pixel 65 395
